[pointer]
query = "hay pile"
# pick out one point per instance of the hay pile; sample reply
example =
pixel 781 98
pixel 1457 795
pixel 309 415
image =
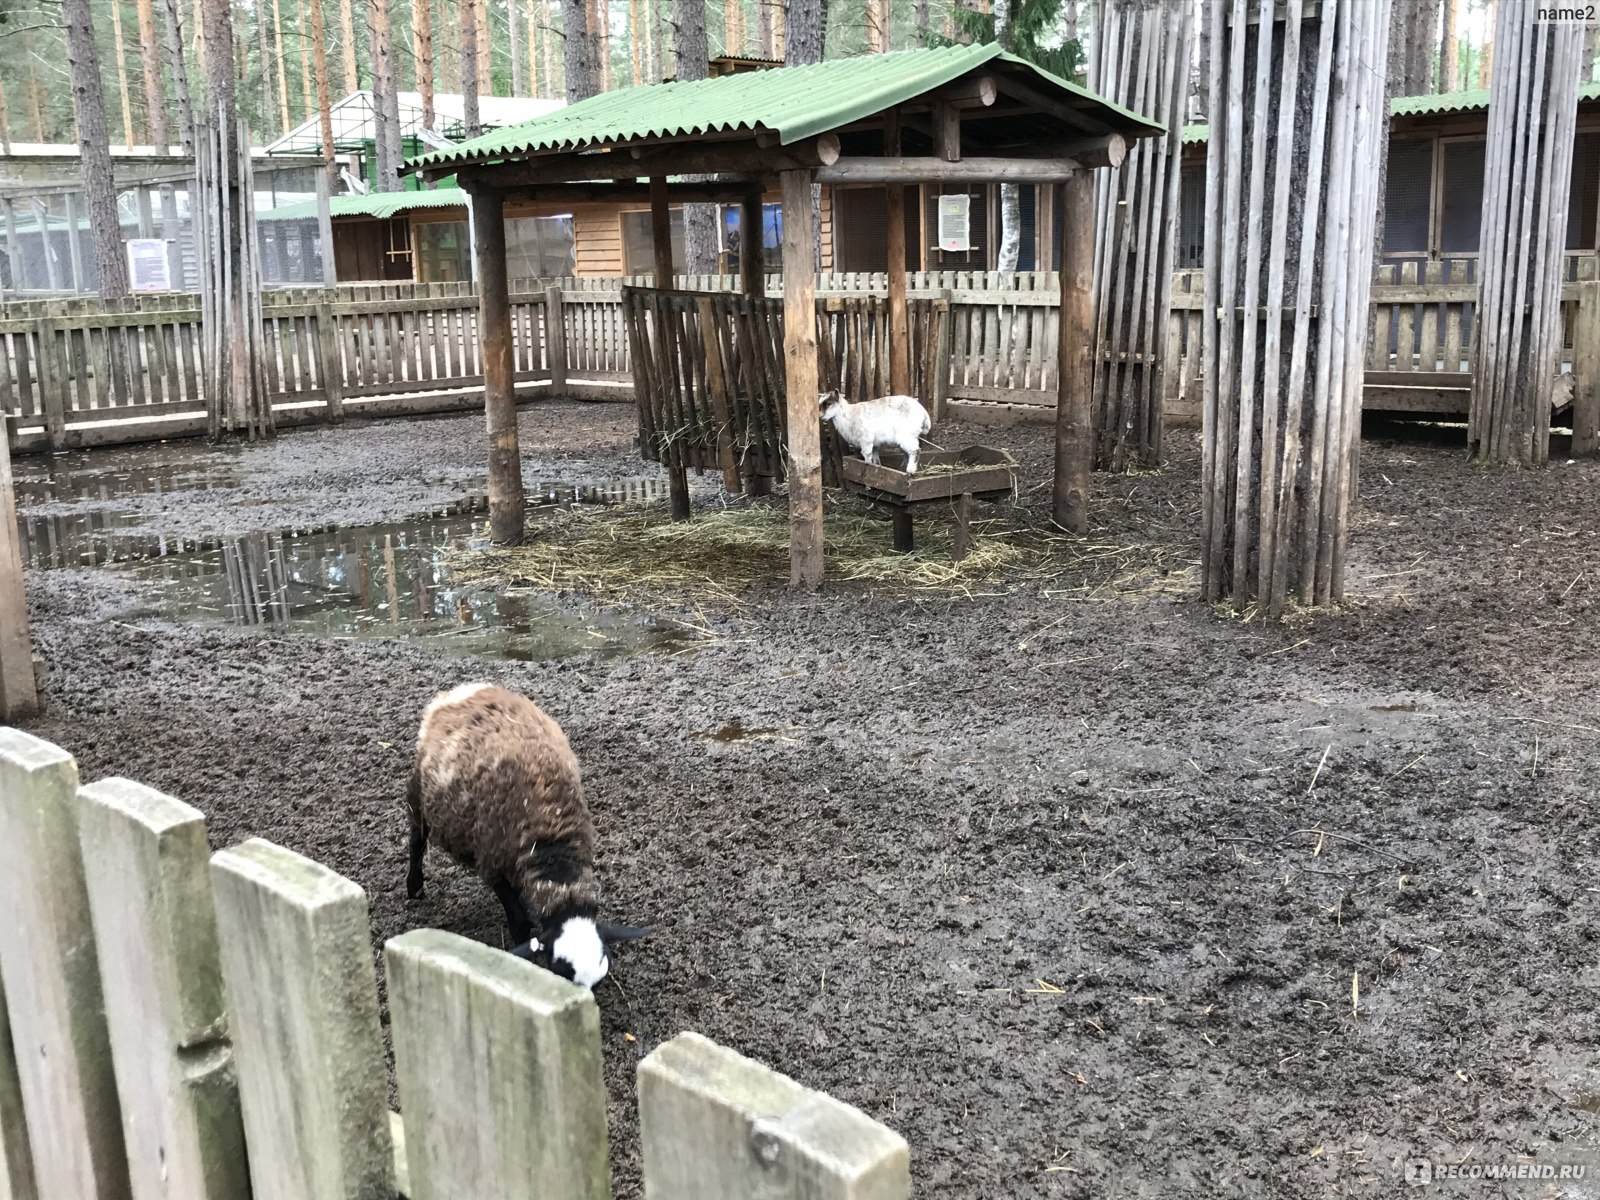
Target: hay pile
pixel 723 553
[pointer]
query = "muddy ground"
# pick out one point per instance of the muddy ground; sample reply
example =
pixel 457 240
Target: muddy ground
pixel 1086 889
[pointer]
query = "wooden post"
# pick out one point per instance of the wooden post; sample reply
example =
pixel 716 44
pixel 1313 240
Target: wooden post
pixel 14 253
pixel 899 317
pixel 156 933
pixel 1586 370
pixel 941 356
pixel 16 1160
pixel 719 392
pixel 1140 49
pixel 330 268
pixel 52 981
pixel 1289 244
pixel 661 244
pixel 329 363
pixel 963 536
pixel 488 1048
pixel 800 361
pixel 905 534
pixel 555 334
pixel 19 694
pixel 714 1125
pixel 74 249
pixel 1533 111
pixel 506 515
pixel 1075 372
pixel 752 255
pixel 303 1004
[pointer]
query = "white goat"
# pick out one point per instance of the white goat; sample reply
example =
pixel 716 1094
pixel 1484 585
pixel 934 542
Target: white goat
pixel 898 421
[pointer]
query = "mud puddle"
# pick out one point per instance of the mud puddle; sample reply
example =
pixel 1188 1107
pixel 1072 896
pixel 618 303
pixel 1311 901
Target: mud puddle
pixel 376 581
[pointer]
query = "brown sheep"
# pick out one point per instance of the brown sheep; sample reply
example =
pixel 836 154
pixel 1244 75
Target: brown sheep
pixel 497 788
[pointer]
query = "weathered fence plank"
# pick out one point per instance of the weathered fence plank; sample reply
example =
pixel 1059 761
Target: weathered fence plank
pixel 302 994
pixel 16 1160
pixel 52 980
pixel 156 932
pixel 714 1125
pixel 499 1072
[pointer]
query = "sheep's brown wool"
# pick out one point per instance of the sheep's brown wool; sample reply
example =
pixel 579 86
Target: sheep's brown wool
pixel 497 787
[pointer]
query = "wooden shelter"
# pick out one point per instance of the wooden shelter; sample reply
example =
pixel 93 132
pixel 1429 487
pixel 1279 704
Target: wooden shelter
pixel 957 114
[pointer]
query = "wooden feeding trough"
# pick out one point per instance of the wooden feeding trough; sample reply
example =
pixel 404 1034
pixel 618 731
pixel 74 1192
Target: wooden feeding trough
pixel 945 477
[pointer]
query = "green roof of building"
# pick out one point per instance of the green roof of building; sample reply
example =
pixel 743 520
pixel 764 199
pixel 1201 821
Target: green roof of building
pixel 374 204
pixel 793 102
pixel 1473 100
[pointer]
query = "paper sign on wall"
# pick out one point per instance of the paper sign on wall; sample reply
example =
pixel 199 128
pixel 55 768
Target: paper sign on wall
pixel 955 222
pixel 148 267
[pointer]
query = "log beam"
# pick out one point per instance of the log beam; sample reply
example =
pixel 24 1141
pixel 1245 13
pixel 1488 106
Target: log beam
pixel 970 170
pixel 743 160
pixel 602 193
pixel 899 317
pixel 1066 113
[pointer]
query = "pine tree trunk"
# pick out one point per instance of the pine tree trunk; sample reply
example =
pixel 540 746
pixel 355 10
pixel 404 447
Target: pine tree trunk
pixel 1591 51
pixel 578 51
pixel 805 24
pixel 5 121
pixel 422 39
pixel 485 50
pixel 1450 47
pixel 155 93
pixel 693 61
pixel 515 28
pixel 764 24
pixel 600 31
pixel 469 67
pixel 319 56
pixel 198 25
pixel 730 26
pixel 1010 194
pixel 555 82
pixel 283 79
pixel 173 35
pixel 536 78
pixel 94 146
pixel 385 97
pixel 35 97
pixel 780 30
pixel 347 20
pixel 122 72
pixel 635 38
pixel 922 22
pixel 308 101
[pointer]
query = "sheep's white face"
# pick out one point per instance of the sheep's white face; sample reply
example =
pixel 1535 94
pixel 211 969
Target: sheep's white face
pixel 578 954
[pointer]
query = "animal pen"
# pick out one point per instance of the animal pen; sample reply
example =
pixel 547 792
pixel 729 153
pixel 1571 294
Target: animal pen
pixel 964 114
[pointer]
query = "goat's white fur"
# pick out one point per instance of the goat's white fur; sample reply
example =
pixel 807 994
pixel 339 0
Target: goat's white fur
pixel 898 421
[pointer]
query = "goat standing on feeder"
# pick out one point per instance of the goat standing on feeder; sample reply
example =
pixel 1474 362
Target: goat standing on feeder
pixel 497 788
pixel 898 421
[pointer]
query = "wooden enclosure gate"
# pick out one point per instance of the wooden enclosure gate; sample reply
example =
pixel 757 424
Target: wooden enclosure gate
pixel 709 378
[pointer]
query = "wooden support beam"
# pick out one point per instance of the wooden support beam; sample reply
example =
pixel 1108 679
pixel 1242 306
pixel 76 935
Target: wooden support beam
pixel 752 255
pixel 1586 371
pixel 661 244
pixel 743 160
pixel 1075 367
pixel 800 358
pixel 940 170
pixel 946 132
pixel 629 192
pixel 899 316
pixel 1067 114
pixel 506 512
pixel 19 695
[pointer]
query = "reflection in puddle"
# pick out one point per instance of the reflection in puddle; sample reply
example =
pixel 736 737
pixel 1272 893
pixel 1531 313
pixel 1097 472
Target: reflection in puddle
pixel 737 731
pixel 375 581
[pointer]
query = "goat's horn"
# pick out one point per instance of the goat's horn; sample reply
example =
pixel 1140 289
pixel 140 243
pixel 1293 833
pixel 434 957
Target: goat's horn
pixel 619 933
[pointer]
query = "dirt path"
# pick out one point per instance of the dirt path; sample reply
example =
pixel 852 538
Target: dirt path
pixel 1089 892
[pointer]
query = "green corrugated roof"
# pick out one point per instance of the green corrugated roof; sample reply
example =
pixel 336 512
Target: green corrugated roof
pixel 793 102
pixel 374 204
pixel 1474 100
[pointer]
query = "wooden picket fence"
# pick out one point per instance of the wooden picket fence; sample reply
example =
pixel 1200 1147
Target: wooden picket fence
pixel 86 372
pixel 196 1026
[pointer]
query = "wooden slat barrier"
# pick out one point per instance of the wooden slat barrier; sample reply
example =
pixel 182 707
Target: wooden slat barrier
pixel 71 370
pixel 248 1054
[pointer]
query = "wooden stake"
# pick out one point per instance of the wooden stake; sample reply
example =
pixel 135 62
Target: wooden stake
pixel 1075 375
pixel 899 317
pixel 800 360
pixel 506 515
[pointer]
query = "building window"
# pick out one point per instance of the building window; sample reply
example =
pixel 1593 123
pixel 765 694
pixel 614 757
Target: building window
pixel 539 248
pixel 733 238
pixel 1461 210
pixel 638 251
pixel 1408 197
pixel 444 252
pixel 1192 217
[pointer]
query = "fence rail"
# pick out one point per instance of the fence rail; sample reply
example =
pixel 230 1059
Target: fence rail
pixel 201 1026
pixel 83 372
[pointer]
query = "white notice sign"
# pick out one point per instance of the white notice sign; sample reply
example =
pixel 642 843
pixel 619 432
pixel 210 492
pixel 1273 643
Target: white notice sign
pixel 148 267
pixel 955 222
